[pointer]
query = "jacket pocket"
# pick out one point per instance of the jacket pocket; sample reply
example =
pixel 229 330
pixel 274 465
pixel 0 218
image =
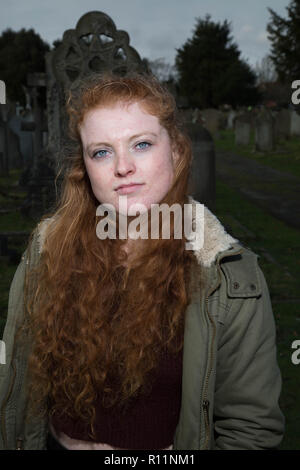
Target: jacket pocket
pixel 217 308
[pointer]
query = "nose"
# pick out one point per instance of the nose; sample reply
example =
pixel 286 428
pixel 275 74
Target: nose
pixel 124 164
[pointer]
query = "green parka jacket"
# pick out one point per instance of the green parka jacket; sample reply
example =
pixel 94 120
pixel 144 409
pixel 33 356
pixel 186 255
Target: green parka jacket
pixel 231 381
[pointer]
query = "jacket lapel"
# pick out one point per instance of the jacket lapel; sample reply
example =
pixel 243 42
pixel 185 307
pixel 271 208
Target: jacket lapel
pixel 215 239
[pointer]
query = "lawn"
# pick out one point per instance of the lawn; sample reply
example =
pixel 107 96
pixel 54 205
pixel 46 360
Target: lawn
pixel 285 157
pixel 279 249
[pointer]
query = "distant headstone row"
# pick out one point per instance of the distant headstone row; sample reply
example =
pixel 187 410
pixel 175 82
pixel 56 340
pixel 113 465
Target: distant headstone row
pixel 269 127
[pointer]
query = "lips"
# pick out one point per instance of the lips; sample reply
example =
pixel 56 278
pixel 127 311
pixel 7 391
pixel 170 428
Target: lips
pixel 128 188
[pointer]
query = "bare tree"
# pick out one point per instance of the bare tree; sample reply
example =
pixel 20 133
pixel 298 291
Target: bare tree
pixel 162 70
pixel 265 71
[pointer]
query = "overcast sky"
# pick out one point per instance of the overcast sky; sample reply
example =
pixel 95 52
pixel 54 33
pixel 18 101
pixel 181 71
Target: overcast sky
pixel 156 27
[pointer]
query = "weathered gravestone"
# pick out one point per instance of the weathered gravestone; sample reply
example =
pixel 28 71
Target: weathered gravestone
pixel 15 160
pixel 25 121
pixel 26 142
pixel 231 119
pixel 295 123
pixel 2 92
pixel 95 45
pixel 265 132
pixel 243 129
pixel 11 157
pixel 3 145
pixel 189 115
pixel 38 175
pixel 282 125
pixel 36 84
pixel 287 124
pixel 212 121
pixel 202 182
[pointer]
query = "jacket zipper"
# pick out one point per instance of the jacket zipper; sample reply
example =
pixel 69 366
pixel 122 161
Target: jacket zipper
pixel 205 407
pixel 205 401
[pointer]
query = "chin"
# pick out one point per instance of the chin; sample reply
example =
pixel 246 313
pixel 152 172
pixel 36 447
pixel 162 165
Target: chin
pixel 134 206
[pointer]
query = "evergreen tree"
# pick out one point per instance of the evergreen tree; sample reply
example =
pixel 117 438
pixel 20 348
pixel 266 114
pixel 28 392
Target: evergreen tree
pixel 21 52
pixel 284 34
pixel 210 69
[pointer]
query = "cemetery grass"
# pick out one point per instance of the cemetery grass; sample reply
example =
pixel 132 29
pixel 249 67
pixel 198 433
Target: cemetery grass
pixel 286 156
pixel 278 247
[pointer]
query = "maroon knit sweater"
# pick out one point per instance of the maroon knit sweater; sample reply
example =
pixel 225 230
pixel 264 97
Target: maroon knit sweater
pixel 148 423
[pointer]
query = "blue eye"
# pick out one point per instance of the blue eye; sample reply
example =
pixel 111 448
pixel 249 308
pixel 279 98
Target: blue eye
pixel 100 153
pixel 143 145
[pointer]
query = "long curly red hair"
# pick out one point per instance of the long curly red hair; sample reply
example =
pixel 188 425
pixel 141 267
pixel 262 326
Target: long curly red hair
pixel 97 326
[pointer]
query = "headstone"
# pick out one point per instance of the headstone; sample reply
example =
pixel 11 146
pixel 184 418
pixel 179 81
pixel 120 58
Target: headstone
pixel 230 119
pixel 4 140
pixel 9 141
pixel 15 160
pixel 25 138
pixel 2 92
pixel 243 129
pixel 265 132
pixel 283 124
pixel 189 115
pixel 212 120
pixel 295 123
pixel 202 182
pixel 38 175
pixel 39 180
pixel 95 45
pixel 3 147
pixel 223 120
pixel 195 116
pixel 36 83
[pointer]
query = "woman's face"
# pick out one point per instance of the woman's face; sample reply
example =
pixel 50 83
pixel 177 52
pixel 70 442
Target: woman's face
pixel 127 153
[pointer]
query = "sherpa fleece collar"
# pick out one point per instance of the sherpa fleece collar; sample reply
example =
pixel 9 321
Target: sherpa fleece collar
pixel 216 239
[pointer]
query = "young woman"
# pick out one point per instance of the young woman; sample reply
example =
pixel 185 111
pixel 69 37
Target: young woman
pixel 136 343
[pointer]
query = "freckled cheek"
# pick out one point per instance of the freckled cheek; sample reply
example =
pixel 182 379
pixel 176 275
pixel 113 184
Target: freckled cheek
pixel 99 184
pixel 99 179
pixel 164 171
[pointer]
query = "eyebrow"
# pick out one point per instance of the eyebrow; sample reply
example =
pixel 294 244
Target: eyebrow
pixel 97 144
